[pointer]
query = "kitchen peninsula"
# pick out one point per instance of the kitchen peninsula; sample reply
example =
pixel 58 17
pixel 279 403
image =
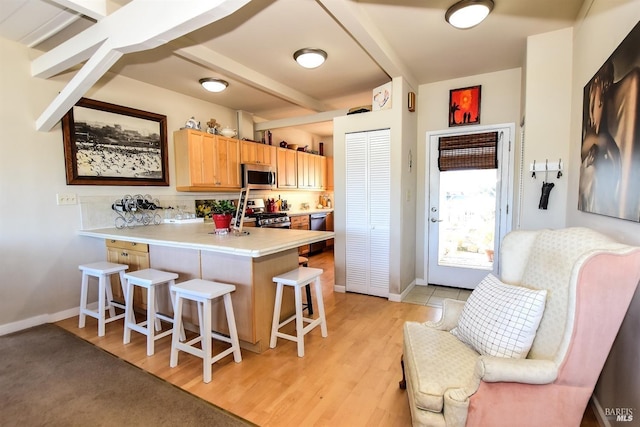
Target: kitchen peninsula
pixel 248 261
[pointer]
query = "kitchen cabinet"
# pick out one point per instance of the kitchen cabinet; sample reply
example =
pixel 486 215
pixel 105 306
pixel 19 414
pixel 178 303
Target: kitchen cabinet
pixel 253 152
pixel 287 166
pixel 136 256
pixel 329 174
pixel 318 223
pixel 368 211
pixel 301 222
pixel 330 227
pixel 206 162
pixel 312 170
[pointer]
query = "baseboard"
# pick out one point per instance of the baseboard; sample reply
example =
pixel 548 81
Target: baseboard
pixel 10 328
pixel 599 412
pixel 340 289
pixel 400 297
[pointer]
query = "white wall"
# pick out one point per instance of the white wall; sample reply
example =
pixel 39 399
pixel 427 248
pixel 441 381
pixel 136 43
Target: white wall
pixel 39 246
pixel 402 236
pixel 500 104
pixel 547 123
pixel 597 34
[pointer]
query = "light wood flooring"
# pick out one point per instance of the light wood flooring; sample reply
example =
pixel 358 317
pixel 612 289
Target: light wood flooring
pixel 349 378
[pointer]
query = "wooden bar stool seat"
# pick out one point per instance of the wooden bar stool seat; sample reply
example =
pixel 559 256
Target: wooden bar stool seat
pixel 101 270
pixel 298 278
pixel 203 292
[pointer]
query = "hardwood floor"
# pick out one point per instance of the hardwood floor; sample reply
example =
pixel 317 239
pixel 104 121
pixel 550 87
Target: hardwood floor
pixel 349 378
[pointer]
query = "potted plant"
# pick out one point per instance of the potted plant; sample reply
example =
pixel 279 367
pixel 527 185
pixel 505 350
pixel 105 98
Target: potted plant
pixel 221 212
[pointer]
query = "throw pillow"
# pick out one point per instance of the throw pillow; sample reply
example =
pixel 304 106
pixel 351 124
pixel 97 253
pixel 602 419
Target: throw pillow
pixel 501 320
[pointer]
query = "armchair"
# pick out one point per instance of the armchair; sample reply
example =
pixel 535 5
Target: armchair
pixel 589 279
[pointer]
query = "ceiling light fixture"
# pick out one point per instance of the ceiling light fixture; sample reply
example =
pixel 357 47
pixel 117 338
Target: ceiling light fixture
pixel 468 13
pixel 310 57
pixel 214 85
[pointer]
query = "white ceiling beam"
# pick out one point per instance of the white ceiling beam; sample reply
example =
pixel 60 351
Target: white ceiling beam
pixel 233 69
pixel 351 16
pixel 300 120
pixel 94 9
pixel 139 25
pixel 88 75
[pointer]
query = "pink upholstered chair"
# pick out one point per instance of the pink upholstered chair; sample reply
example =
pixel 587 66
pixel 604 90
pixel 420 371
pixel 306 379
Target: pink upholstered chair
pixel 589 281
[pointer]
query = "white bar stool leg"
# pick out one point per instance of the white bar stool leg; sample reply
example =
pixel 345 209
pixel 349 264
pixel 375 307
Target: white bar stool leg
pixel 101 304
pixel 299 323
pixel 233 331
pixel 83 300
pixel 177 325
pixel 276 316
pixel 320 302
pixel 151 319
pixel 129 316
pixel 205 334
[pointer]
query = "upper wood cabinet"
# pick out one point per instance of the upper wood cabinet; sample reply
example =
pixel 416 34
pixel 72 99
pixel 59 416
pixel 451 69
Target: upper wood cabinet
pixel 287 166
pixel 312 171
pixel 329 175
pixel 206 162
pixel 253 152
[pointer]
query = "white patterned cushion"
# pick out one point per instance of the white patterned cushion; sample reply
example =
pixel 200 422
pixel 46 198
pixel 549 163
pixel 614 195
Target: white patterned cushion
pixel 501 320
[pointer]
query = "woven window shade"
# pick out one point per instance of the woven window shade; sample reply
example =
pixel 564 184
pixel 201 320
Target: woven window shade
pixel 473 151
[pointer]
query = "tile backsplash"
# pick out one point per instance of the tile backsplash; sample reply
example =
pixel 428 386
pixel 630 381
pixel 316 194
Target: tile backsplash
pixel 96 211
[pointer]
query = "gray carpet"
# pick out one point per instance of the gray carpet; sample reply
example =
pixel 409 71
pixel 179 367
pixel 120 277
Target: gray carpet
pixel 50 377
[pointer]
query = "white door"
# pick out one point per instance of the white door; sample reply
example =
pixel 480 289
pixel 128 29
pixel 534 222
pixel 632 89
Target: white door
pixel 368 213
pixel 468 212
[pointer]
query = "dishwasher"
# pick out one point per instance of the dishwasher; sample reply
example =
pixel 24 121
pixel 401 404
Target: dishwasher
pixel 318 223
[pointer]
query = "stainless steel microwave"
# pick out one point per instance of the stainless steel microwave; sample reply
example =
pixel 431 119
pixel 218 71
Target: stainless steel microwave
pixel 258 176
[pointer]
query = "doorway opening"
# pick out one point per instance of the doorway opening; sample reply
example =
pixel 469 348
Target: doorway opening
pixel 468 207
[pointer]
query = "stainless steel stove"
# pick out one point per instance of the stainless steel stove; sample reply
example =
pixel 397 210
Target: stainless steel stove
pixel 273 220
pixel 267 219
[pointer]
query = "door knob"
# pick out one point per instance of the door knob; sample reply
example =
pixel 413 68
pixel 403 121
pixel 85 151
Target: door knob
pixel 435 220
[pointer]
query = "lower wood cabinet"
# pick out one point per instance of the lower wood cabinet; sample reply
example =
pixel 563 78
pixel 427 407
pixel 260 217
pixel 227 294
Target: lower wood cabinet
pixel 301 222
pixel 330 227
pixel 136 256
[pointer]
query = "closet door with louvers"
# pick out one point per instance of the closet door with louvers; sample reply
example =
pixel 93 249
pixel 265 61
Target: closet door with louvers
pixel 368 186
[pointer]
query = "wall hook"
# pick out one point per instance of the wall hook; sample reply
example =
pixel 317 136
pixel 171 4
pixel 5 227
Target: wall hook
pixel 559 167
pixel 546 170
pixel 533 174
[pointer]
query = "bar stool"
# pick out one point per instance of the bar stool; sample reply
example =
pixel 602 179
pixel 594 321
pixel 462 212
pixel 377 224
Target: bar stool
pixel 102 271
pixel 149 279
pixel 298 278
pixel 304 262
pixel 203 292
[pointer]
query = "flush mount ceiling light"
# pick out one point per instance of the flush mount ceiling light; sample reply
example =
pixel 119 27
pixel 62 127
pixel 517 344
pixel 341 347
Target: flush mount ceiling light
pixel 214 85
pixel 468 13
pixel 309 57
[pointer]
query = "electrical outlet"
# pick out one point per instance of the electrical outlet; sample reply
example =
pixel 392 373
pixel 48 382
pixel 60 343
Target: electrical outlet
pixel 66 199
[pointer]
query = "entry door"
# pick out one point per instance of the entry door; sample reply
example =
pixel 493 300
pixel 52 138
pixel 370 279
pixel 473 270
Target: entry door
pixel 468 213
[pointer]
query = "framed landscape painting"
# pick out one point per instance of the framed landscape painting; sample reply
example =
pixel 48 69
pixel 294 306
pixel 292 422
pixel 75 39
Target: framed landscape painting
pixel 107 144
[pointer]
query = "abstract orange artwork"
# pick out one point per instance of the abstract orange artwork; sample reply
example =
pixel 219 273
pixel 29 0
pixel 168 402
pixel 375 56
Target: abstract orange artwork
pixel 464 106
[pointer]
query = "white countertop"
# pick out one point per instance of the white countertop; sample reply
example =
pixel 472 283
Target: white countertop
pixel 259 242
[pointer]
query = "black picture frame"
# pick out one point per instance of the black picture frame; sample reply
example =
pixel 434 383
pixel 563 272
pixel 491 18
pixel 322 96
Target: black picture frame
pixel 464 106
pixel 610 149
pixel 108 144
